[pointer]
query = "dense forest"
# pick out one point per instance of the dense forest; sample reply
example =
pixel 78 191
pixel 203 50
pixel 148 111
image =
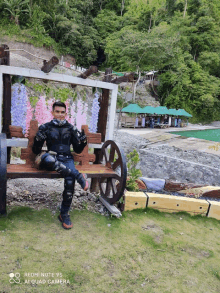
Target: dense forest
pixel 178 38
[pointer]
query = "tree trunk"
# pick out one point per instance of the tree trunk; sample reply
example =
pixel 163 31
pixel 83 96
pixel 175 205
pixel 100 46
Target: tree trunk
pixel 135 85
pixel 122 6
pixel 184 13
pixel 149 29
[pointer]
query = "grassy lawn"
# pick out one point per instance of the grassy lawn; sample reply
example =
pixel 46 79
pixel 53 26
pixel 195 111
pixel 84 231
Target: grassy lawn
pixel 144 251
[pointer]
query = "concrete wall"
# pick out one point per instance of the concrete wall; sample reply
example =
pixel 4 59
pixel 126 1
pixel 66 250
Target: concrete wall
pixel 155 165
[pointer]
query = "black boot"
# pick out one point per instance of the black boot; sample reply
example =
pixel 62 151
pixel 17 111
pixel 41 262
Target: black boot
pixel 65 220
pixel 64 217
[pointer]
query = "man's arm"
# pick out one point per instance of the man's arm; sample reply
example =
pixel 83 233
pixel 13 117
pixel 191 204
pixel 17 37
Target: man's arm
pixel 78 140
pixel 39 139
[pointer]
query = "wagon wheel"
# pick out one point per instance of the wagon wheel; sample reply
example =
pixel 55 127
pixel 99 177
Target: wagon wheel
pixel 3 172
pixel 112 156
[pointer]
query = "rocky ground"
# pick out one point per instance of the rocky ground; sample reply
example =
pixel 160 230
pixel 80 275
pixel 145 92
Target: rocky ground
pixel 47 193
pixel 170 162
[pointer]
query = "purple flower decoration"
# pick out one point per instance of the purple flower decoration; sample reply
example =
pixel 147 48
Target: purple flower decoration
pixel 95 114
pixel 19 106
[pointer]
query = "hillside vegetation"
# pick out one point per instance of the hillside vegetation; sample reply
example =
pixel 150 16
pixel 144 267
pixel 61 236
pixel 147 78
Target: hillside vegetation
pixel 177 38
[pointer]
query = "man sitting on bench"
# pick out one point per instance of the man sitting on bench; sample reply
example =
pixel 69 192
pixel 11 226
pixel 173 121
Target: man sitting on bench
pixel 59 135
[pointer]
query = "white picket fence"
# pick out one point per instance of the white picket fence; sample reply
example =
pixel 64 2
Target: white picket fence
pixel 73 67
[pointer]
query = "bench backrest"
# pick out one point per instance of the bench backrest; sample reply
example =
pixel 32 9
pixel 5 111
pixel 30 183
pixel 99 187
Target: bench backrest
pixel 26 153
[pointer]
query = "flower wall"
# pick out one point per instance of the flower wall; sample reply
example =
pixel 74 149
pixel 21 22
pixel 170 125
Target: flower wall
pixel 22 111
pixel 95 114
pixel 19 106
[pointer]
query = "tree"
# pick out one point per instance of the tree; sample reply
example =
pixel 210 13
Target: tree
pixel 15 8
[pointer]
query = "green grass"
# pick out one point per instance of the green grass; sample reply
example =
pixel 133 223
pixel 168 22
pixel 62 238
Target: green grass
pixel 143 251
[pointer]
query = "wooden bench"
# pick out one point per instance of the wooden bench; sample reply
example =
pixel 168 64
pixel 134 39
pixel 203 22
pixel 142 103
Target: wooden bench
pixel 128 121
pixel 111 170
pixel 161 125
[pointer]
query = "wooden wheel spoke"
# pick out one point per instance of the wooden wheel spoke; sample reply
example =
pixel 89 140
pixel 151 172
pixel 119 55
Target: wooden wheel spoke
pixel 116 163
pixel 108 186
pixel 106 155
pixel 112 154
pixel 114 189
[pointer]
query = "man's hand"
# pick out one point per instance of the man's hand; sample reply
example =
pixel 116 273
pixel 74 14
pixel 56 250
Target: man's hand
pixel 82 137
pixel 38 160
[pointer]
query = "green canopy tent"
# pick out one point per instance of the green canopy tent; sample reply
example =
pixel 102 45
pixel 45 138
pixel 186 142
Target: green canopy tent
pixel 161 110
pixel 182 112
pixel 132 108
pixel 148 110
pixel 172 112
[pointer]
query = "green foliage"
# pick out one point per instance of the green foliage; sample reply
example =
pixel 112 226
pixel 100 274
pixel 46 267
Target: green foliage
pixel 107 22
pixel 50 91
pixel 178 38
pixel 133 172
pixel 15 8
pixel 33 100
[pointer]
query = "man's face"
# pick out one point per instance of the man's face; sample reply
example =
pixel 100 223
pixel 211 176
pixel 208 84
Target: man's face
pixel 59 113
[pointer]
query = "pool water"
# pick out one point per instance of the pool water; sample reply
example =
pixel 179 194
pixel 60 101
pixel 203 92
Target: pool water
pixel 208 134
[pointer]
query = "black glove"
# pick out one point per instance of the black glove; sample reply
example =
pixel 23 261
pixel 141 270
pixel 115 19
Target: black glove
pixel 82 137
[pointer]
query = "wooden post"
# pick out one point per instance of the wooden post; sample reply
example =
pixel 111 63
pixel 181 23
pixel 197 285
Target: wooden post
pixel 48 66
pixel 102 123
pixel 103 112
pixel 5 60
pixel 92 69
pixel 3 173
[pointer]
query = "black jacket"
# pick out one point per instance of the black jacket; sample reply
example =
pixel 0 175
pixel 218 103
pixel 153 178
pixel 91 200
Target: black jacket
pixel 58 138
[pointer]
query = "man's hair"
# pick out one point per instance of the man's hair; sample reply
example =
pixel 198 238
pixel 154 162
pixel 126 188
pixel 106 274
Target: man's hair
pixel 59 104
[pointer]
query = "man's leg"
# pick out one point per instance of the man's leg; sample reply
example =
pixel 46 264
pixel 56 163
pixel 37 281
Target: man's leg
pixel 69 184
pixel 50 162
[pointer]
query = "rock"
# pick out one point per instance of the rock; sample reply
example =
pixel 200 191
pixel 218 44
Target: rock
pixel 212 193
pixel 177 186
pixel 154 184
pixel 141 184
pixel 77 194
pixel 206 191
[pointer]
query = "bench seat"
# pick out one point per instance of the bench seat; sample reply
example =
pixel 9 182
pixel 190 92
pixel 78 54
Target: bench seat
pixel 27 171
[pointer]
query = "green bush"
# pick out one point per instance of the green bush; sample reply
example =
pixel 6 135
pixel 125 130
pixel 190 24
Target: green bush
pixel 133 172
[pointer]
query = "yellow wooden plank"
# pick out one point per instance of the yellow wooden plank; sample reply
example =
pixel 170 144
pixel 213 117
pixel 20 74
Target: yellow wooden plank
pixel 214 211
pixel 173 204
pixel 134 200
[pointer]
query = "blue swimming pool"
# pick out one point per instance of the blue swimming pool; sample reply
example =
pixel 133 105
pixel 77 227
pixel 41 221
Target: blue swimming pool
pixel 208 134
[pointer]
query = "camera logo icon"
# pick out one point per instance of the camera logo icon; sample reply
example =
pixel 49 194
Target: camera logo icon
pixel 14 278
